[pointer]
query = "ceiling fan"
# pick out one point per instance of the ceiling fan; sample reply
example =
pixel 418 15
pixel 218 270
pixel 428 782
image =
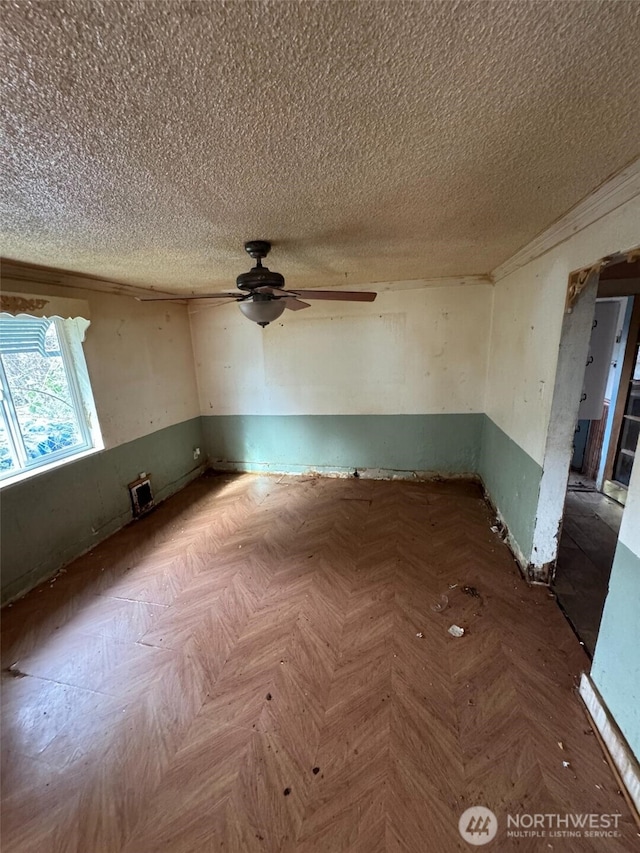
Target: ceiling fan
pixel 262 296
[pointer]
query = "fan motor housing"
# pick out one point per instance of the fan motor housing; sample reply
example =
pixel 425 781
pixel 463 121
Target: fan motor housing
pixel 259 277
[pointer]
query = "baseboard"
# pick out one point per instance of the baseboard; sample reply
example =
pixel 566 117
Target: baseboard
pixel 329 471
pixel 614 741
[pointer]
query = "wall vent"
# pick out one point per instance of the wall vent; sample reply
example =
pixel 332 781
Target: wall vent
pixel 141 496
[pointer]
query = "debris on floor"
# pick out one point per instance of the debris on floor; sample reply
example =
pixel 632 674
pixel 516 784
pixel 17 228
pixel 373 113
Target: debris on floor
pixel 499 529
pixel 566 764
pixel 456 631
pixel 560 744
pixel 419 635
pixel 471 590
pixel 441 604
pixel 287 791
pixel 453 585
pixel 268 697
pixel 316 770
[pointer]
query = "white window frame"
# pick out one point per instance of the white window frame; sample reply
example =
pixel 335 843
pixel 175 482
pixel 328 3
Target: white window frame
pixel 70 334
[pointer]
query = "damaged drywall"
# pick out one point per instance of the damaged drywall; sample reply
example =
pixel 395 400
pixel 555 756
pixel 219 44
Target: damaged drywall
pixel 572 357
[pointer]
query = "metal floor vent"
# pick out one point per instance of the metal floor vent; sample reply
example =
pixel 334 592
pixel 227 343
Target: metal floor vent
pixel 141 496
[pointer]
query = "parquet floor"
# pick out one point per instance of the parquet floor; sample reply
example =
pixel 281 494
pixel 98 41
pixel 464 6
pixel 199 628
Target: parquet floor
pixel 241 671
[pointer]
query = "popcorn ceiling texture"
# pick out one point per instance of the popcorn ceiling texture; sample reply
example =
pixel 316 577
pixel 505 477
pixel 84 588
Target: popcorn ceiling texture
pixel 370 141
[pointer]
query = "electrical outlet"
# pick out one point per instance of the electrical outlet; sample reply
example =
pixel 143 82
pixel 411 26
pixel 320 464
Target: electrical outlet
pixel 196 452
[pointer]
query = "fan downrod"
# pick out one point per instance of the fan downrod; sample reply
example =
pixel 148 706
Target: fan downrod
pixel 259 276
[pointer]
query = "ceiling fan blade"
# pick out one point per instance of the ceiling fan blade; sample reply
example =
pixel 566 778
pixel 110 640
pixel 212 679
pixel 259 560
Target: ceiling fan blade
pixel 294 304
pixel 236 296
pixel 339 295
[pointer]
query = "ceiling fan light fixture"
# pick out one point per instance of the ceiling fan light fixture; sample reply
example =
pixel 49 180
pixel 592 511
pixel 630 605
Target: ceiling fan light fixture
pixel 262 309
pixel 262 296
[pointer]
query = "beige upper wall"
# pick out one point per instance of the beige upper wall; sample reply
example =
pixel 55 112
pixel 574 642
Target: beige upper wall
pixel 140 361
pixel 139 358
pixel 528 308
pixel 411 351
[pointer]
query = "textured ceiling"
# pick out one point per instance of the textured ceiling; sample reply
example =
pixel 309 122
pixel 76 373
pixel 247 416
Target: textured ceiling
pixel 370 141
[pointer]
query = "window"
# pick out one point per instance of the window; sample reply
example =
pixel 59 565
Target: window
pixel 46 408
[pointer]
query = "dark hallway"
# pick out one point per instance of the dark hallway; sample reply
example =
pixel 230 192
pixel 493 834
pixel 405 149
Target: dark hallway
pixel 585 557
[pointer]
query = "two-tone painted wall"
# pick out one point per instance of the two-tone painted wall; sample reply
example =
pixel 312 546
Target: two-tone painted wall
pixel 140 363
pixel 531 409
pixel 536 365
pixel 388 387
pixel 450 378
pixel 433 379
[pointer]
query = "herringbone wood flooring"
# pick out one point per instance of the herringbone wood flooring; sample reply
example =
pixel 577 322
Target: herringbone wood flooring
pixel 240 671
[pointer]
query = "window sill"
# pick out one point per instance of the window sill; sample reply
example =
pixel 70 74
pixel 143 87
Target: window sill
pixel 43 469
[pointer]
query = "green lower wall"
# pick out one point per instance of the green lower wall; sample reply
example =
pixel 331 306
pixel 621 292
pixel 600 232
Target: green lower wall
pixel 447 444
pixel 512 481
pixel 57 515
pixel 616 663
pixel 54 516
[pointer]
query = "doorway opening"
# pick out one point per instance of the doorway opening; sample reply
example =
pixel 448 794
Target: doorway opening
pixel 604 447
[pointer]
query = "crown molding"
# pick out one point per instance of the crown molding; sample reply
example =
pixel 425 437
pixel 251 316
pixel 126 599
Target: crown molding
pixel 421 283
pixel 608 197
pixel 21 273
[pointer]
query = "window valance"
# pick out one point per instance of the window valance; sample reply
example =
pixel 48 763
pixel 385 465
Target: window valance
pixel 39 305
